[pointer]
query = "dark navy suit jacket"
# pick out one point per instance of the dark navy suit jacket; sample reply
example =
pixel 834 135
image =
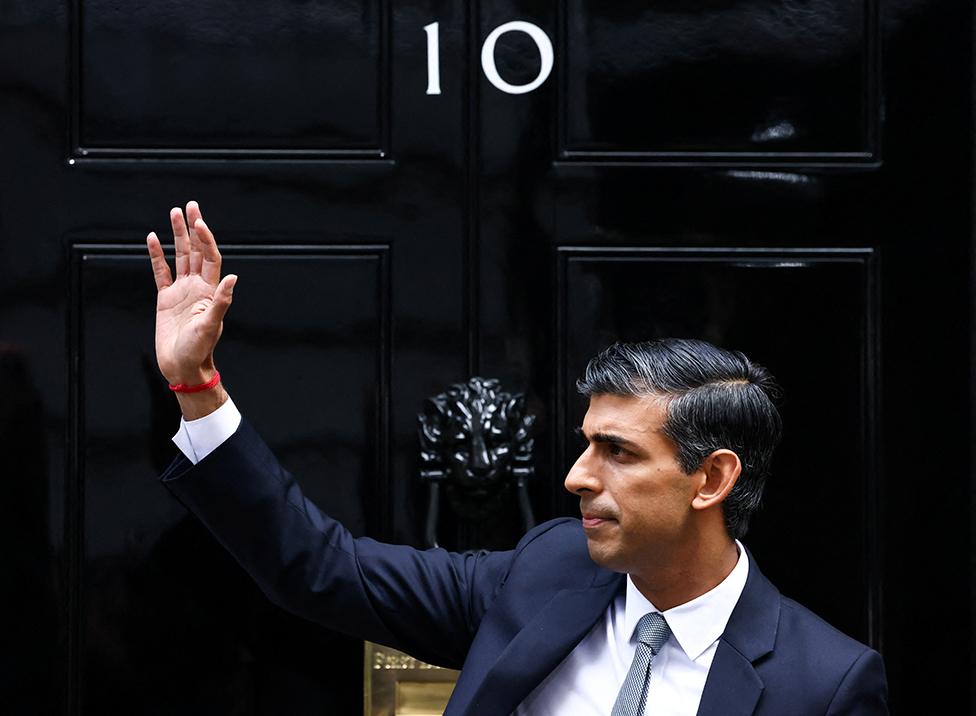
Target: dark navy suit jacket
pixel 506 619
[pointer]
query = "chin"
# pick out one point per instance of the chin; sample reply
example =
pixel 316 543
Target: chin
pixel 605 557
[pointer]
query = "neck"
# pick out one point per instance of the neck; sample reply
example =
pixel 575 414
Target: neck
pixel 687 573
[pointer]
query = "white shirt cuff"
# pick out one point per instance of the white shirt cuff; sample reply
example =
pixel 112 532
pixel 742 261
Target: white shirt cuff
pixel 198 438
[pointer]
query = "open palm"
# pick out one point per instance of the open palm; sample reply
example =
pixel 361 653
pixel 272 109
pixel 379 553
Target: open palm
pixel 190 309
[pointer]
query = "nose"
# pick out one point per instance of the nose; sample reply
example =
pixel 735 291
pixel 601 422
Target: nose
pixel 581 477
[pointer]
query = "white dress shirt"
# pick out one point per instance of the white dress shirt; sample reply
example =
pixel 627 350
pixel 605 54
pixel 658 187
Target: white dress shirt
pixel 198 438
pixel 588 679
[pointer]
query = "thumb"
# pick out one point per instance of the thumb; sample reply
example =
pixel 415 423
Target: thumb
pixel 222 298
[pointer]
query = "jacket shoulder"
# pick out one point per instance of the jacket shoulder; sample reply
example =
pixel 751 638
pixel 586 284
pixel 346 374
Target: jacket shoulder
pixel 562 537
pixel 817 659
pixel 553 532
pixel 554 554
pixel 801 626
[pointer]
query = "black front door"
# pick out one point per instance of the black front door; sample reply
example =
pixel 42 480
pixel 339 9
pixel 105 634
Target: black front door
pixel 415 194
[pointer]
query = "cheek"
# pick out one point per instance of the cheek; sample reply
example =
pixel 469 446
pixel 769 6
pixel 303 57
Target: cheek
pixel 684 486
pixel 658 501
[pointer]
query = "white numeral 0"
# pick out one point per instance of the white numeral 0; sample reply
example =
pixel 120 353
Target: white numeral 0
pixel 537 34
pixel 488 56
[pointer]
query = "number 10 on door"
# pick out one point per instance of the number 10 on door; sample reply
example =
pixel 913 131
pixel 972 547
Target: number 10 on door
pixel 536 33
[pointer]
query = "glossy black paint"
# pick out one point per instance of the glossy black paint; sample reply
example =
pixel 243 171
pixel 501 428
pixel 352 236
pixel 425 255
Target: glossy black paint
pixel 221 79
pixel 714 80
pixel 791 180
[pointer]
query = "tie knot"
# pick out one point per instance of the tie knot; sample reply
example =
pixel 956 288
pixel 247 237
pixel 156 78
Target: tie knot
pixel 653 631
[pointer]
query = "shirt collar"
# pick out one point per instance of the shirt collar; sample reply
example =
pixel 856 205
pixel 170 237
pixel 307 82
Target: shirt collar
pixel 697 624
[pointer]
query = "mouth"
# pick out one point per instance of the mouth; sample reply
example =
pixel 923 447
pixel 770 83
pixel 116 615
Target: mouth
pixel 593 521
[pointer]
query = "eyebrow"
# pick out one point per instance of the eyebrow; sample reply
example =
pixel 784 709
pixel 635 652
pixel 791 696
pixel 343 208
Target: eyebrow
pixel 607 438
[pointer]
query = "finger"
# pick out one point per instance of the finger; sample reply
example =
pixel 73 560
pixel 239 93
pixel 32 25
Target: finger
pixel 196 248
pixel 211 255
pixel 159 266
pixel 193 212
pixel 182 241
pixel 222 299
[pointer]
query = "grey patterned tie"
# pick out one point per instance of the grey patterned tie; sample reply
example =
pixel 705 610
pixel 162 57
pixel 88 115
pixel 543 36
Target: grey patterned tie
pixel 652 631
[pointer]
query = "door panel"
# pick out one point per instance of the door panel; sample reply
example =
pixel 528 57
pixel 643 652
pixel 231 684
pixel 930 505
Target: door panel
pixel 771 82
pixel 229 79
pixel 820 506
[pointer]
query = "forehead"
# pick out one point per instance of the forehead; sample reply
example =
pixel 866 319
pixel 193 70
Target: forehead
pixel 625 415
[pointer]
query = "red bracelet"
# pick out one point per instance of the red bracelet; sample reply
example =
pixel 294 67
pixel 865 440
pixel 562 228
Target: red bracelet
pixel 183 388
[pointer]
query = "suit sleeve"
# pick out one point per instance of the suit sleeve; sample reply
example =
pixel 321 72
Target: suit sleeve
pixel 863 690
pixel 427 603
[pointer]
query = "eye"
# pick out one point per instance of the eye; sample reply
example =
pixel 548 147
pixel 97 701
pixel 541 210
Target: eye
pixel 618 453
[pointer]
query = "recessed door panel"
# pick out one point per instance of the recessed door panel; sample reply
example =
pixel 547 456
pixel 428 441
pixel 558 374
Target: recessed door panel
pixel 205 79
pixel 807 317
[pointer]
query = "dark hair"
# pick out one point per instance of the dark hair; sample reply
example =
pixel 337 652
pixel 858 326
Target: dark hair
pixel 715 399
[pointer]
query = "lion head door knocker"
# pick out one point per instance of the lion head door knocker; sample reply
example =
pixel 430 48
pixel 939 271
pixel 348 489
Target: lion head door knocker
pixel 476 447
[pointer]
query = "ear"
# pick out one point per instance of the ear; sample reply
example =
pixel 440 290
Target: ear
pixel 721 469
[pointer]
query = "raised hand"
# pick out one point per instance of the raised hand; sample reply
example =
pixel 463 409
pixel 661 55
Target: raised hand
pixel 190 310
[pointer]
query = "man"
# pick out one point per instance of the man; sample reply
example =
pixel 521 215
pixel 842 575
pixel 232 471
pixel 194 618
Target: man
pixel 649 604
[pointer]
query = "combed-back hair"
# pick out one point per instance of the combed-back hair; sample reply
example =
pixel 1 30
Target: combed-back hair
pixel 715 399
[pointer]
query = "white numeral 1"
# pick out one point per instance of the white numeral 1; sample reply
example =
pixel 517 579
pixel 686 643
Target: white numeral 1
pixel 433 58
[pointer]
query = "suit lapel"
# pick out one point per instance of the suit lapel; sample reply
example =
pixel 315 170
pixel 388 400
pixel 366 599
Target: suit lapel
pixel 541 645
pixel 733 687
